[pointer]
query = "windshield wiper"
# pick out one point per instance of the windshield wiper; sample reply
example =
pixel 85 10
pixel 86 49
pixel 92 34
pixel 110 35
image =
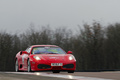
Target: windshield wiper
pixel 52 53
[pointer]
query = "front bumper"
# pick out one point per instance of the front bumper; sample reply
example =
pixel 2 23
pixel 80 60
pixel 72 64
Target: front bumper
pixel 46 65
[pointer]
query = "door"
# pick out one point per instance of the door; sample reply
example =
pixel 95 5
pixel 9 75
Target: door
pixel 25 57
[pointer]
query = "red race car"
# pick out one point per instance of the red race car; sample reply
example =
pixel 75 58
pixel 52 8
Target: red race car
pixel 45 57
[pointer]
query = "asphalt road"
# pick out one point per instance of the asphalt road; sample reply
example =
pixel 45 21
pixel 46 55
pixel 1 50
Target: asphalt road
pixel 60 76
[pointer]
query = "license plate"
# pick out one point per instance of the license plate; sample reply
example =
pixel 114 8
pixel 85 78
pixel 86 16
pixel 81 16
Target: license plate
pixel 56 64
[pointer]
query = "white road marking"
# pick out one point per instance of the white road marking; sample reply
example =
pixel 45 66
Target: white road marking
pixel 60 76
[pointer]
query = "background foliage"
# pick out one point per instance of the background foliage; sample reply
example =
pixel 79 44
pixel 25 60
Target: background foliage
pixel 95 47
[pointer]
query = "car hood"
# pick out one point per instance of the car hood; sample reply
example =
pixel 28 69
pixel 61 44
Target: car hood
pixel 53 57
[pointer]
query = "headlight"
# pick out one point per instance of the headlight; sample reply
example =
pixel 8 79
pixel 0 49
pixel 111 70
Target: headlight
pixel 37 58
pixel 72 57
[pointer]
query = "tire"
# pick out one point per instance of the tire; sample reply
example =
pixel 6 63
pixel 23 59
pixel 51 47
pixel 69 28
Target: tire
pixel 70 71
pixel 16 66
pixel 29 66
pixel 56 71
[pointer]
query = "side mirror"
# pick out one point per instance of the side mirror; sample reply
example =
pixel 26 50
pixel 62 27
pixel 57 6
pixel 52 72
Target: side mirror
pixel 69 52
pixel 23 52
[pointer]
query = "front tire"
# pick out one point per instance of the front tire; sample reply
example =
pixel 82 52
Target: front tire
pixel 16 66
pixel 29 66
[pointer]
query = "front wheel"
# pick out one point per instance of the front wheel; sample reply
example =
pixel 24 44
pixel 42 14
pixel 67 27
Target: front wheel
pixel 70 71
pixel 16 66
pixel 29 66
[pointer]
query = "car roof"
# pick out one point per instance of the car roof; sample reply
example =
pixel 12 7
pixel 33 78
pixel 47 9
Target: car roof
pixel 44 46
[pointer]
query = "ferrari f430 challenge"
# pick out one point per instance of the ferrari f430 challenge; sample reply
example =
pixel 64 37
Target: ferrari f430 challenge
pixel 45 57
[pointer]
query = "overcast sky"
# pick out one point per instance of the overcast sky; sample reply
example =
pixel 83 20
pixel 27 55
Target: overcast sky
pixel 17 15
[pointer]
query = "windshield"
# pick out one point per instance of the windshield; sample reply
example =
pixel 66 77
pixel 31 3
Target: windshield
pixel 47 50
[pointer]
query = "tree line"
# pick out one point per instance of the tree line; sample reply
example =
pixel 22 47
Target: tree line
pixel 95 47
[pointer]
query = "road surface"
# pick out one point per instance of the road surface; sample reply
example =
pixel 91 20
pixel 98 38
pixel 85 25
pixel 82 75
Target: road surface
pixel 59 76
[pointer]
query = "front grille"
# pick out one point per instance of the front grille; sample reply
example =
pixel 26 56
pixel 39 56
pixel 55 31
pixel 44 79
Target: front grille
pixel 43 66
pixel 56 68
pixel 68 66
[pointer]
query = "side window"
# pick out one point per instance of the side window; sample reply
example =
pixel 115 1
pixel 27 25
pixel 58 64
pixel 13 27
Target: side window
pixel 28 49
